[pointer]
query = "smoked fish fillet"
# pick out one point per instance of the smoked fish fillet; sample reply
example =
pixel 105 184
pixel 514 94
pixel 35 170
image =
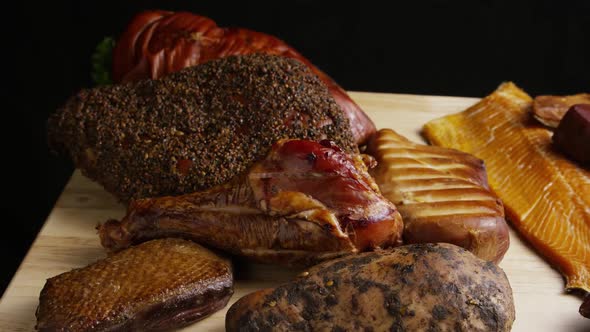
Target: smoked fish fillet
pixel 546 196
pixel 442 195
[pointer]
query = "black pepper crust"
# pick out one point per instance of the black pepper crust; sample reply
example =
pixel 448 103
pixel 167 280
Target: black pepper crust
pixel 196 128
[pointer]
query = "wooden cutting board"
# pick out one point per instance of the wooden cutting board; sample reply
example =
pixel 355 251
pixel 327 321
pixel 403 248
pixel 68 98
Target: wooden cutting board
pixel 68 240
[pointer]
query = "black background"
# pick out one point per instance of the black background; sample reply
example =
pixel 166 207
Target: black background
pixel 461 48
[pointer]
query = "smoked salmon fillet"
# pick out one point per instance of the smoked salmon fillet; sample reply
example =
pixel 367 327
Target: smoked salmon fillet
pixel 546 196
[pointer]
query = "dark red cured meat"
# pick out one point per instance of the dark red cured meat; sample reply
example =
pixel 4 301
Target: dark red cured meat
pixel 572 135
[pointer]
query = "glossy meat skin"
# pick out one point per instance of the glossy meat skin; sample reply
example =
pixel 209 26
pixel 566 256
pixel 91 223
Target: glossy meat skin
pixel 549 110
pixel 196 128
pixel 158 285
pixel 572 135
pixel 305 202
pixel 546 196
pixel 419 287
pixel 442 195
pixel 585 307
pixel 160 42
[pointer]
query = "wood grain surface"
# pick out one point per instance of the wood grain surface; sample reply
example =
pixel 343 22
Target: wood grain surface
pixel 68 240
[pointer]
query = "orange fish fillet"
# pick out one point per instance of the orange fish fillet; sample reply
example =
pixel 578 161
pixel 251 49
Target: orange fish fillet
pixel 546 196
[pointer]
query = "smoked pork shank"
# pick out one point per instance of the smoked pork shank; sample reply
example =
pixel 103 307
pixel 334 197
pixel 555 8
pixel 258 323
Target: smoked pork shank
pixel 305 202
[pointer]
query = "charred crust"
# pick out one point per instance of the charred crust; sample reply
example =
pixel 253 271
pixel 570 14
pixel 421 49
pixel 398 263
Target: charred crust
pixel 439 312
pixel 362 260
pixel 335 267
pixel 326 316
pixel 328 227
pixel 393 305
pixel 354 304
pixel 491 267
pixel 407 269
pixel 396 327
pixel 452 288
pixel 485 296
pixel 455 299
pixel 331 300
pixel 433 327
pixel 302 326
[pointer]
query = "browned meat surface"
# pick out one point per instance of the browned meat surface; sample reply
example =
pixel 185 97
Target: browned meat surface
pixel 159 42
pixel 442 195
pixel 572 135
pixel 305 202
pixel 419 287
pixel 158 285
pixel 585 307
pixel 549 110
pixel 197 128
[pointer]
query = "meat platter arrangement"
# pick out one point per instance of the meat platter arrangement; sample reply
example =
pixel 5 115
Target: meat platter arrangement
pixel 227 144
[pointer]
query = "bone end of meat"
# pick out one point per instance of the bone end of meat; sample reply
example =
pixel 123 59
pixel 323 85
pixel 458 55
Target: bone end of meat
pixel 306 201
pixel 112 235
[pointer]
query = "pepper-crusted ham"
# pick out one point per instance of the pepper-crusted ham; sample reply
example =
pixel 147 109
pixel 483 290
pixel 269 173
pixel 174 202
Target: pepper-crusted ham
pixel 196 128
pixel 160 42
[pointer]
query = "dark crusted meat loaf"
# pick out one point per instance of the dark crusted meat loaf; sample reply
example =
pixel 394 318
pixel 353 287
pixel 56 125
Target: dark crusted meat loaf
pixel 419 287
pixel 195 128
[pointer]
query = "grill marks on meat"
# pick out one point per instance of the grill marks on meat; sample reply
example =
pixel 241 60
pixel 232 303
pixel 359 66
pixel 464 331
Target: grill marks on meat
pixel 305 202
pixel 434 287
pixel 160 42
pixel 196 128
pixel 442 195
pixel 158 285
